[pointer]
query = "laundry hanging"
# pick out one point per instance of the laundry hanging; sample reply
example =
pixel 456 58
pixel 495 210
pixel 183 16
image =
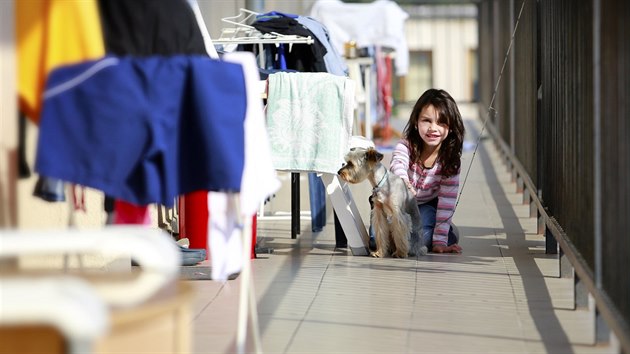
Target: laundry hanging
pixel 300 57
pixel 175 136
pixel 131 28
pixel 380 23
pixel 147 27
pixel 333 60
pixel 51 33
pixel 309 119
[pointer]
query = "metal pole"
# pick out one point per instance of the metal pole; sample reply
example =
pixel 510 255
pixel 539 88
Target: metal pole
pixel 512 86
pixel 597 194
pixel 255 5
pixel 495 59
pixel 602 331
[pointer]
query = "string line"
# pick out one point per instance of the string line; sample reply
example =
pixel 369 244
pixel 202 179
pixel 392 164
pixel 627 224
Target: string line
pixel 490 109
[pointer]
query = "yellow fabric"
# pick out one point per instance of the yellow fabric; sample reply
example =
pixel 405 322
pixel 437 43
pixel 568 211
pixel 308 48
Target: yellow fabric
pixel 51 33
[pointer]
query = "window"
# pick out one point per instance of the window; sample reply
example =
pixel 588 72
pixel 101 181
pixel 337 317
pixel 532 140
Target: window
pixel 473 69
pixel 418 79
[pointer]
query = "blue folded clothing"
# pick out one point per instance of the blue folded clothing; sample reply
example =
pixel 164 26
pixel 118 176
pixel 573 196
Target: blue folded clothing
pixel 50 189
pixel 192 256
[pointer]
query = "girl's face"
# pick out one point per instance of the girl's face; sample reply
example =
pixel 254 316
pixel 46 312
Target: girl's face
pixel 431 131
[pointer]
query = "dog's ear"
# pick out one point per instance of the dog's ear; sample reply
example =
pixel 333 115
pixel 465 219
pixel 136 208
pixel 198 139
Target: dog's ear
pixel 373 155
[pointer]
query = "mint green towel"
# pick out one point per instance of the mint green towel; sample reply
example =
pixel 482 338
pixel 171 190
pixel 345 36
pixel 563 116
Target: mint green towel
pixel 309 120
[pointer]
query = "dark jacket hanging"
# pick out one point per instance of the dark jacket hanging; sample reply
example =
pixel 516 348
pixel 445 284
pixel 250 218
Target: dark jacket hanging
pixel 150 27
pixel 301 57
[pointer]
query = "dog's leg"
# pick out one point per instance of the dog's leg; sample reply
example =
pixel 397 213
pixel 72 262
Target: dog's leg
pixel 390 216
pixel 400 233
pixel 416 248
pixel 381 234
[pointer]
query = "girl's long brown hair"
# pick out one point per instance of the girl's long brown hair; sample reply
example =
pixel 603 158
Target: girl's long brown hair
pixel 451 149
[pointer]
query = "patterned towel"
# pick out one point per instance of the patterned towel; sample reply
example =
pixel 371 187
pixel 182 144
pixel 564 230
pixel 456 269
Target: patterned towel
pixel 309 120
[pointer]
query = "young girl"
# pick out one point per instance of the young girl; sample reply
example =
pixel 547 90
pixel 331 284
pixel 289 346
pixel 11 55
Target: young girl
pixel 428 159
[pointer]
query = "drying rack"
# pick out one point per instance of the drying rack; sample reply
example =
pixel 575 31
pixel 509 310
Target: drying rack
pixel 242 32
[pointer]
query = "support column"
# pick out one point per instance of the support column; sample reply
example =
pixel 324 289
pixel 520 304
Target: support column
pixel 551 245
pixel 566 269
pixel 580 294
pixel 8 118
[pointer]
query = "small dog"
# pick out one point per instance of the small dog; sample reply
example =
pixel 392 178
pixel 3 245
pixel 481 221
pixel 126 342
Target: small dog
pixel 395 216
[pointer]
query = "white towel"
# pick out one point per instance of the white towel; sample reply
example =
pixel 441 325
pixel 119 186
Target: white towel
pixel 259 181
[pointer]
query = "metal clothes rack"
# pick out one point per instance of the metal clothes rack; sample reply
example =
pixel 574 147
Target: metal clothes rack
pixel 243 33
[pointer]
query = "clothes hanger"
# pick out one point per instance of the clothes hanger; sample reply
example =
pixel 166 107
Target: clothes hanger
pixel 243 33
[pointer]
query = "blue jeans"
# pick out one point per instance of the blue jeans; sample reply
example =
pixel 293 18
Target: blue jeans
pixel 427 215
pixel 317 196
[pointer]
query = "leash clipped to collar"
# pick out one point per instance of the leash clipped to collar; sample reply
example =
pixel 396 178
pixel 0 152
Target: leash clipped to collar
pixel 380 184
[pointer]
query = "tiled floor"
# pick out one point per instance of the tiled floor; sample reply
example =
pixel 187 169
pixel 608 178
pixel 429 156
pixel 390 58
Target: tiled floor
pixel 502 295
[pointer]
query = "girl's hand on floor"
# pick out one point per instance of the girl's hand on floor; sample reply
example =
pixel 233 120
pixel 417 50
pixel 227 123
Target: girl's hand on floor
pixel 455 248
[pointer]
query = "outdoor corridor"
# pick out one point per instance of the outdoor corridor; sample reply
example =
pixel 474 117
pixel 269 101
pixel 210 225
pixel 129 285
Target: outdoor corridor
pixel 503 294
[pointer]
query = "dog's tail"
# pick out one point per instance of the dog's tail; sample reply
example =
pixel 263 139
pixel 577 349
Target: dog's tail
pixel 416 248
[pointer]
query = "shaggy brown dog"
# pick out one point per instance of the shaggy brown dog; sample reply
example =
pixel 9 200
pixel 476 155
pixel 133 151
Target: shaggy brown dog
pixel 395 217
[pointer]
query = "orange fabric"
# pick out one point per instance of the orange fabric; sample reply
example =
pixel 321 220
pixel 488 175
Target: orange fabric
pixel 51 33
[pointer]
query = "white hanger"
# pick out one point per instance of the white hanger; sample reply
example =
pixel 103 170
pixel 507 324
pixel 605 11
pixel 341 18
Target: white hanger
pixel 243 33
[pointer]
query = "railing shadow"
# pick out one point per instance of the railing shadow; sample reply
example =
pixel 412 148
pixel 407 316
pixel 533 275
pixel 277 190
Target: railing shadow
pixel 552 333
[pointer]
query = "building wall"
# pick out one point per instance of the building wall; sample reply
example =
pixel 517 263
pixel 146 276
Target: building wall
pixel 451 42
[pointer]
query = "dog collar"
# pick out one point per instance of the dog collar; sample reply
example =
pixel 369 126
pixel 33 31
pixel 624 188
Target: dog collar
pixel 382 181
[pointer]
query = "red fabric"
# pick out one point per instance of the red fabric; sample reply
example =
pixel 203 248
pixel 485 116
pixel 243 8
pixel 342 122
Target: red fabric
pixel 385 101
pixel 193 221
pixel 127 213
pixel 388 99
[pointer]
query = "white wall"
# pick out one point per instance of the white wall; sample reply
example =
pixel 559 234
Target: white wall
pixel 450 41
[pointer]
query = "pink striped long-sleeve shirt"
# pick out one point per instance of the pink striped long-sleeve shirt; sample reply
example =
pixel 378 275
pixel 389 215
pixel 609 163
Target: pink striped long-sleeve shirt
pixel 429 183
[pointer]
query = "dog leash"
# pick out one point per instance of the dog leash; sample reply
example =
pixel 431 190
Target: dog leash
pixel 490 109
pixel 378 187
pixel 380 184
